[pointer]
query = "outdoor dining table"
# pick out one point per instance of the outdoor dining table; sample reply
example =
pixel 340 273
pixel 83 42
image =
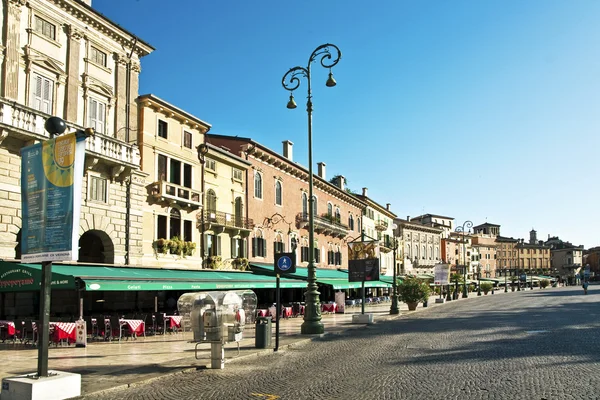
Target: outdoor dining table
pixel 173 321
pixel 262 312
pixel 329 308
pixel 9 326
pixel 60 331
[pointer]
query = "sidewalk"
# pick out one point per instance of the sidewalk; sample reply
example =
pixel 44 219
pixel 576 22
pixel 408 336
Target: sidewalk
pixel 106 365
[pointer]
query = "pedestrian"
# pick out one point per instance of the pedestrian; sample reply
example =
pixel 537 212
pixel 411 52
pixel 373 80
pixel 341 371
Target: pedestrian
pixel 585 286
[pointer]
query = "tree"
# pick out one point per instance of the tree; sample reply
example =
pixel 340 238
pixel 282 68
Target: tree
pixel 334 181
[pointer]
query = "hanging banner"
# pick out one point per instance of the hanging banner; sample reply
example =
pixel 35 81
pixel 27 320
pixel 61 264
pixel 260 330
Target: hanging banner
pixel 363 261
pixel 51 180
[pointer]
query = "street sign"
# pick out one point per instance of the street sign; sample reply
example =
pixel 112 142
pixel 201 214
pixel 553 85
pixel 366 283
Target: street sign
pixel 441 273
pixel 285 263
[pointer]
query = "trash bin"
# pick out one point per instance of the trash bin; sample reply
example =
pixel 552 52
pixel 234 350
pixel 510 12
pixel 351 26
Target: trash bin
pixel 262 338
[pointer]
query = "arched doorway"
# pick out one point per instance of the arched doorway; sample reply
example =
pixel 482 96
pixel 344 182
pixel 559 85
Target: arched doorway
pixel 96 247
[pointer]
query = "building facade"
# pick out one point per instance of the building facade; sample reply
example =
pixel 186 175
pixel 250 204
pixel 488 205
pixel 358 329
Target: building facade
pixel 446 224
pixel 277 201
pixel 169 139
pixel 484 242
pixel 421 246
pixel 62 58
pixel 534 256
pixel 566 259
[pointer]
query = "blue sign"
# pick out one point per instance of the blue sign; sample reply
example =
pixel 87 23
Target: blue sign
pixel 285 263
pixel 51 180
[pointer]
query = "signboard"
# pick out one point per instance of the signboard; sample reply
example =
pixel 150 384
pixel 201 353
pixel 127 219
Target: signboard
pixel 363 261
pixel 51 179
pixel 20 279
pixel 523 278
pixel 441 273
pixel 285 263
pixel 340 300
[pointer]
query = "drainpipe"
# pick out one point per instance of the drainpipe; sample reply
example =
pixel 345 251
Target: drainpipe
pixel 127 129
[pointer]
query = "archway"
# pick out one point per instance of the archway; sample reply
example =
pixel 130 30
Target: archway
pixel 96 247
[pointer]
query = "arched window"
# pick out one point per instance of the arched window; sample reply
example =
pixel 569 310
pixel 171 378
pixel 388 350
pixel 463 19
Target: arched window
pixel 416 253
pixel 315 205
pixel 430 252
pixel 350 222
pixel 329 209
pixel 358 224
pixel 258 185
pixel 278 193
pixel 408 255
pixel 259 245
pixel 304 205
pixel 175 223
pixel 211 201
pixel 338 217
pixel 424 255
pixel 437 253
pixel 278 245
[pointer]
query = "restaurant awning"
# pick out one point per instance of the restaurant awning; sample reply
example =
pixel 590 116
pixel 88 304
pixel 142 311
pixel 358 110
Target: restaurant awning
pixel 24 277
pixel 325 276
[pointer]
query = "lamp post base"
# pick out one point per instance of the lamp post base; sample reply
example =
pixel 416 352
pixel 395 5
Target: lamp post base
pixel 394 310
pixel 465 295
pixel 312 328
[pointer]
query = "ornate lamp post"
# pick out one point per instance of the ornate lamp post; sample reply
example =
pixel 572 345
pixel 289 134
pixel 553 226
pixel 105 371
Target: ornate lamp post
pixel 479 280
pixel 467 225
pixel 505 287
pixel 329 55
pixel 394 307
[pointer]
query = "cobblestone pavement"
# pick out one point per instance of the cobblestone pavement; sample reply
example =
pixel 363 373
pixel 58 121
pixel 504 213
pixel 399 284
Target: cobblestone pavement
pixel 540 344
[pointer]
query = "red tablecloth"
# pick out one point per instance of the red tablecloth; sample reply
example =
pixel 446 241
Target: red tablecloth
pixel 286 312
pixel 136 326
pixel 64 331
pixel 174 321
pixel 10 327
pixel 261 312
pixel 328 308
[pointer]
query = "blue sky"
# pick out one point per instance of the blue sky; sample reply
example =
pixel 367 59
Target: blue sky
pixel 478 110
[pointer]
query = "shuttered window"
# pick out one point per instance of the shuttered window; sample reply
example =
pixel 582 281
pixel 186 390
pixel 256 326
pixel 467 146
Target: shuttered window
pixel 98 189
pixel 42 93
pixel 97 115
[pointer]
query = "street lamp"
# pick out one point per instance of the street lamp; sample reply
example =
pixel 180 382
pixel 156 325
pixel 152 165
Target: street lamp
pixel 478 279
pixel 505 287
pixel 467 225
pixel 329 55
pixel 394 307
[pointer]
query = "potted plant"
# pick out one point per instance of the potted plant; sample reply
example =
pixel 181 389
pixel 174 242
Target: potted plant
pixel 161 246
pixel 486 287
pixel 412 291
pixel 240 263
pixel 188 248
pixel 212 262
pixel 175 245
pixel 544 283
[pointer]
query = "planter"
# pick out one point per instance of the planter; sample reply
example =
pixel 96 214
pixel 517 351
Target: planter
pixel 412 306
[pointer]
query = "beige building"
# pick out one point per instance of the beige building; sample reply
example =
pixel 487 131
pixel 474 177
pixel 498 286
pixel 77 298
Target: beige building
pixel 378 224
pixel 485 248
pixel 63 58
pixel 534 256
pixel 566 259
pixel 169 140
pixel 421 244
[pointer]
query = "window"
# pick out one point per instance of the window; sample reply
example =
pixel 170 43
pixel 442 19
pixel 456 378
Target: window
pixel 317 253
pixel 278 194
pixel 45 28
pixel 338 217
pixel 98 56
pixel 278 245
pixel 329 210
pixel 238 248
pixel 257 185
pixel 350 222
pixel 211 164
pixel 212 244
pixel 174 170
pixel 330 257
pixel 304 205
pixel 96 115
pixel 211 201
pixel 174 226
pixel 338 257
pixel 358 224
pixel 187 139
pixel 259 247
pixel 304 252
pixel 314 205
pixel 163 129
pixel 98 187
pixel 293 244
pixel 237 174
pixel 41 93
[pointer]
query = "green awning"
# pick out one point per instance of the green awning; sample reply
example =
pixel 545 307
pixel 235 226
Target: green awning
pixel 111 278
pixel 325 276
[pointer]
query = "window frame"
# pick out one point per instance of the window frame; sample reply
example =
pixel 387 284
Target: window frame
pixel 278 193
pixel 186 135
pixel 161 122
pixel 33 86
pixel 93 120
pixel 258 181
pixel 41 31
pixel 235 170
pixel 92 179
pixel 94 53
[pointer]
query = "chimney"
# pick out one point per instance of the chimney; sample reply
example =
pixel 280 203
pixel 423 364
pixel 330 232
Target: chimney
pixel 288 150
pixel 340 181
pixel 365 192
pixel 321 166
pixel 408 218
pixel 387 206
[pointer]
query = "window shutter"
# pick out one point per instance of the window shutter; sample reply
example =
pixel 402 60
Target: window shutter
pixel 243 251
pixel 101 117
pixel 218 246
pixel 254 247
pixel 47 96
pixel 233 249
pixel 205 245
pixel 36 92
pixel 264 248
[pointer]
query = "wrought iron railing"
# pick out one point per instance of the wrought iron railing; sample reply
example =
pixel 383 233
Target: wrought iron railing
pixel 225 219
pixel 173 192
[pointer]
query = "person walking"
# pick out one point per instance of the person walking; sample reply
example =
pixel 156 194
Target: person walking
pixel 585 287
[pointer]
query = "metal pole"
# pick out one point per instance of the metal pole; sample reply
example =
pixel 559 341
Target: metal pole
pixel 394 308
pixel 505 287
pixel 43 328
pixel 278 301
pixel 465 293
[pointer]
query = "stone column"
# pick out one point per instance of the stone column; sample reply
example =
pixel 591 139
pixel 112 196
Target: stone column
pixel 73 82
pixel 134 76
pixel 121 95
pixel 12 34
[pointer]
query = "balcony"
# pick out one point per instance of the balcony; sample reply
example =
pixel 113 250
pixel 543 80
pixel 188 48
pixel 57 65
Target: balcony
pixel 26 124
pixel 325 224
pixel 381 225
pixel 173 193
pixel 227 220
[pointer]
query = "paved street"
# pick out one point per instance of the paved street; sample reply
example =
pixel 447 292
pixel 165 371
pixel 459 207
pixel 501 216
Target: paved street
pixel 541 344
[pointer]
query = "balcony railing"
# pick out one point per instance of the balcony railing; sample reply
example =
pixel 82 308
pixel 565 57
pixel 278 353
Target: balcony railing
pixel 381 225
pixel 225 219
pixel 170 192
pixel 28 124
pixel 326 224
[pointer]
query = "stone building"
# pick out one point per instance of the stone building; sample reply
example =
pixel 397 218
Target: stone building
pixel 507 256
pixel 446 224
pixel 378 224
pixel 566 259
pixel 276 199
pixel 63 58
pixel 484 242
pixel 421 244
pixel 534 256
